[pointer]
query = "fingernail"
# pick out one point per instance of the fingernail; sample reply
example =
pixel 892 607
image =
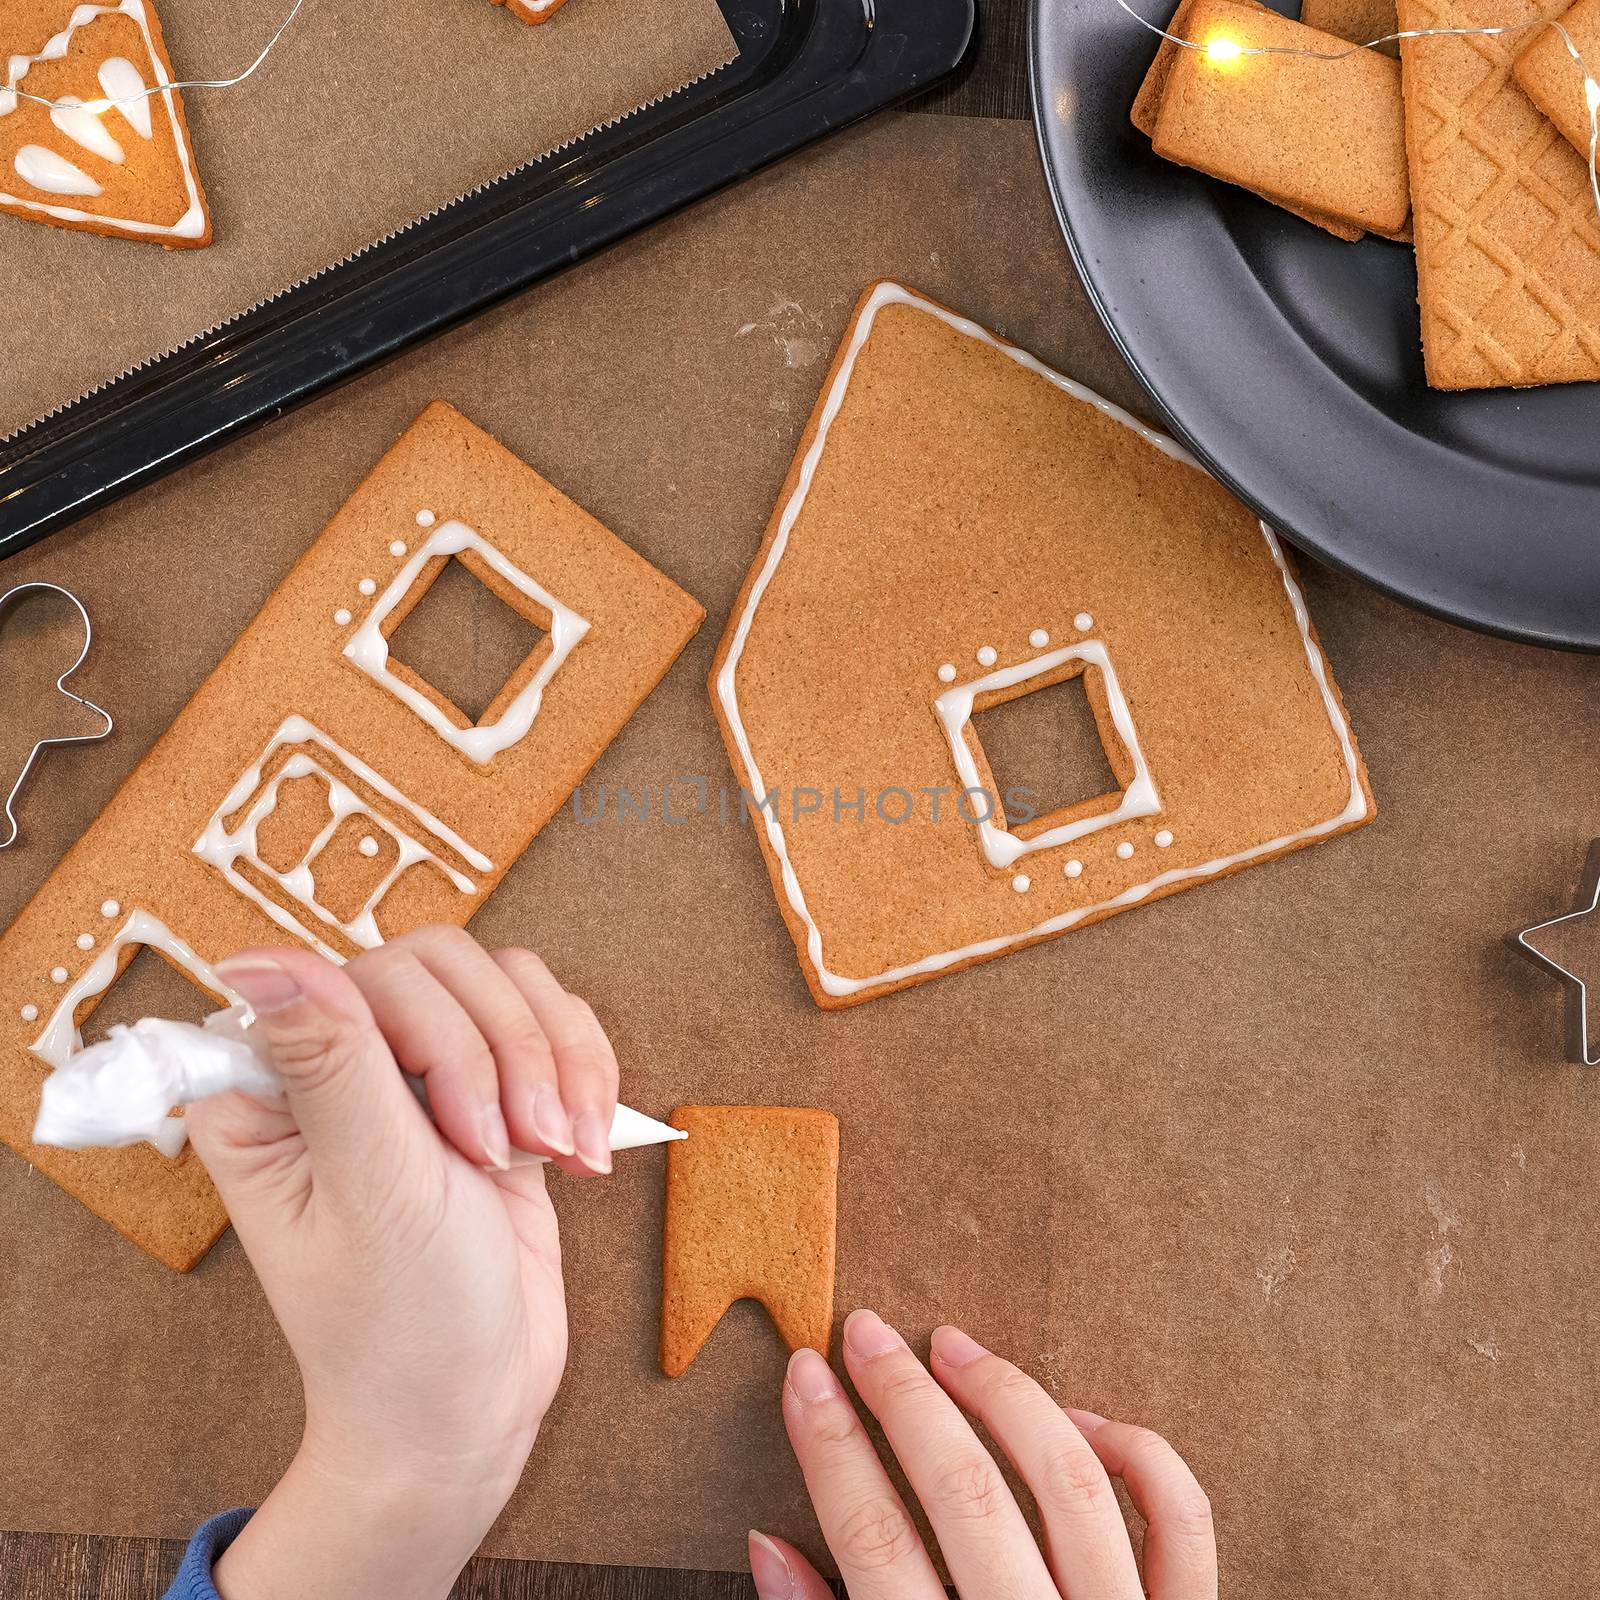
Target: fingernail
pixel 770 1568
pixel 496 1141
pixel 868 1335
pixel 956 1349
pixel 1085 1421
pixel 593 1137
pixel 551 1122
pixel 260 982
pixel 811 1377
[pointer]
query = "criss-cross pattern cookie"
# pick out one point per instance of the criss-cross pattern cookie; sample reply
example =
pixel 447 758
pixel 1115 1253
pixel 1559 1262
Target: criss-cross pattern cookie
pixel 104 156
pixel 1508 250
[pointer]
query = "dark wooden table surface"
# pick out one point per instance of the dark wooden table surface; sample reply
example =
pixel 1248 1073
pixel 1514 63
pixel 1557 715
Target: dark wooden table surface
pixel 87 1567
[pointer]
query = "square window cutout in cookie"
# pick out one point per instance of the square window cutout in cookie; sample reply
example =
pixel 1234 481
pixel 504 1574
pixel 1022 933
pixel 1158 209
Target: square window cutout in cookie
pixel 967 536
pixel 485 637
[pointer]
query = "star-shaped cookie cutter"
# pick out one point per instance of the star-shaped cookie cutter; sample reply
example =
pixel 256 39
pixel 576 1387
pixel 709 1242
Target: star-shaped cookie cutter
pixel 7 600
pixel 1578 1049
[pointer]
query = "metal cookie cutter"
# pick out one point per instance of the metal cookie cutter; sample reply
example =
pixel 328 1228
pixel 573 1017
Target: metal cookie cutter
pixel 1577 990
pixel 7 600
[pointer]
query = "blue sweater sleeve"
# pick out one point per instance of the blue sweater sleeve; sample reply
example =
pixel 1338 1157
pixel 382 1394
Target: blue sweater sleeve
pixel 193 1581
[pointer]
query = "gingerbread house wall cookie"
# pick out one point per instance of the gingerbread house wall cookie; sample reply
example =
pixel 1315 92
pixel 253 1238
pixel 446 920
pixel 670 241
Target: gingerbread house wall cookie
pixel 962 528
pixel 318 791
pixel 105 155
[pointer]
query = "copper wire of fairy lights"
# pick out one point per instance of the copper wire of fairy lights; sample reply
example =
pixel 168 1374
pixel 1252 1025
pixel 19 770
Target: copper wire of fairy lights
pixel 1221 48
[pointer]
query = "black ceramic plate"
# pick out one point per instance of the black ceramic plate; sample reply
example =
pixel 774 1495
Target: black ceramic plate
pixel 1289 362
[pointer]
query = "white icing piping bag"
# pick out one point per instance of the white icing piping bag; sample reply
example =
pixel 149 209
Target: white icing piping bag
pixel 123 1090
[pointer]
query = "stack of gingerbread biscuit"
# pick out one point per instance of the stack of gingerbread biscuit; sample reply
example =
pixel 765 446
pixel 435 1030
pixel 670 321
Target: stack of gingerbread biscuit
pixel 1476 145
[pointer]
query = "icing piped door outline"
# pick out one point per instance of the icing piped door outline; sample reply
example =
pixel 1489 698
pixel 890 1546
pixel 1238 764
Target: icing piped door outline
pixel 106 154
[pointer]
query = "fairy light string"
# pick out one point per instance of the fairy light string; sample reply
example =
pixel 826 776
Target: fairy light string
pixel 1222 49
pixel 9 92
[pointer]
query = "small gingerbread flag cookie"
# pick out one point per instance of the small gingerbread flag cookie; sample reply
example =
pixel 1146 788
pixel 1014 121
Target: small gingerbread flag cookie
pixel 532 10
pixel 104 154
pixel 751 1215
pixel 1555 83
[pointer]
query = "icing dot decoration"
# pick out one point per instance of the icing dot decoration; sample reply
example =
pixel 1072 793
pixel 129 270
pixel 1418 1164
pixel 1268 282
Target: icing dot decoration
pixel 1083 621
pixel 368 846
pixel 58 975
pixel 86 941
pixel 1038 638
pixel 368 586
pixel 426 519
pixel 947 673
pixel 397 548
pixel 109 908
pixel 30 1013
pixel 341 616
pixel 1022 883
pixel 1073 869
pixel 1163 839
pixel 1124 849
pixel 987 655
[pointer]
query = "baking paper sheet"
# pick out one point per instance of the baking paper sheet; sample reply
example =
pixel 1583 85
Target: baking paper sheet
pixel 1289 1168
pixel 365 117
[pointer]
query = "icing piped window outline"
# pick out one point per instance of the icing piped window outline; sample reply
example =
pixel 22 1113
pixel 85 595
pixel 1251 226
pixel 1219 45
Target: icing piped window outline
pixel 1138 798
pixel 192 224
pixel 368 646
pixel 254 797
pixel 61 1038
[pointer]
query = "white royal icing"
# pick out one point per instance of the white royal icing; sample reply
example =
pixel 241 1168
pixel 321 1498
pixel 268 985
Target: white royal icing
pixel 192 224
pixel 58 974
pixel 1163 839
pixel 369 649
pixel 368 586
pixel 425 518
pixel 1125 850
pixel 224 847
pixel 947 673
pixel 1038 638
pixel 1083 622
pixel 49 173
pixel 954 707
pixel 86 941
pixel 1073 869
pixel 123 84
pixel 368 846
pixel 342 617
pixel 839 984
pixel 60 1040
pixel 987 655
pixel 30 1013
pixel 87 129
pixel 1022 883
pixel 109 908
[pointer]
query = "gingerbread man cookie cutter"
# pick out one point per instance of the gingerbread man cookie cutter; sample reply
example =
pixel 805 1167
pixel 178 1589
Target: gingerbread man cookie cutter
pixel 10 829
pixel 1578 1048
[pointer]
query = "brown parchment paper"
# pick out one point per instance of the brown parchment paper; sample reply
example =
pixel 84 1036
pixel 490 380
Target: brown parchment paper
pixel 364 118
pixel 1289 1168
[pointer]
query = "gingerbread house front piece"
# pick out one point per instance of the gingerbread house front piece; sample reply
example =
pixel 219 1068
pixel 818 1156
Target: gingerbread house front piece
pixel 964 529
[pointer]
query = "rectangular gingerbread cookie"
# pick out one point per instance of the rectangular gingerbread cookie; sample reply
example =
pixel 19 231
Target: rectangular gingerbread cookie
pixel 1359 21
pixel 320 790
pixel 1027 538
pixel 1556 83
pixel 1327 136
pixel 1508 242
pixel 110 157
pixel 751 1214
pixel 1147 103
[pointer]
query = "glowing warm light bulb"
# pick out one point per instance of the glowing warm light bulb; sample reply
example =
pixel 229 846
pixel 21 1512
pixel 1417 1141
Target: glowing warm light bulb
pixel 1224 49
pixel 1591 93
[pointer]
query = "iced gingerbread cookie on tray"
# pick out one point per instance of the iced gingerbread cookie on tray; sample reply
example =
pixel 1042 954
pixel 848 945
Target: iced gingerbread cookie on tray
pixel 320 790
pixel 967 538
pixel 105 154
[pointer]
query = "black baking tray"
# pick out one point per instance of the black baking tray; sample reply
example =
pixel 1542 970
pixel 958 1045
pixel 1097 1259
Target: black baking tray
pixel 805 68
